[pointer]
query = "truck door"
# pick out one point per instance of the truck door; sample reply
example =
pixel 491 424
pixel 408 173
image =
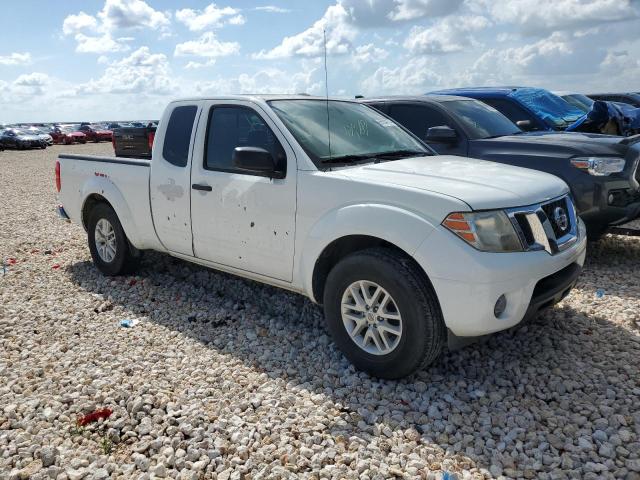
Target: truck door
pixel 242 220
pixel 169 187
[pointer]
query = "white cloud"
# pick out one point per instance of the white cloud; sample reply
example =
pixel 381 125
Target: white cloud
pixel 536 16
pixel 211 17
pixel 95 34
pixel 364 55
pixel 30 84
pixel 384 13
pixel 270 80
pixel 272 9
pixel 16 59
pixel 76 23
pixel 198 65
pixel 451 34
pixel 121 14
pixel 414 9
pixel 140 72
pixel 310 42
pixel 206 46
pixel 99 44
pixel 416 76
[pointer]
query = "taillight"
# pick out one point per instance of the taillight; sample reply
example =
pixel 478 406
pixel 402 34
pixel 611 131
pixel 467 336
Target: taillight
pixel 58 180
pixel 150 138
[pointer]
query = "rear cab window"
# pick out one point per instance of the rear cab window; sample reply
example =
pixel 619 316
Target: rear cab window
pixel 178 135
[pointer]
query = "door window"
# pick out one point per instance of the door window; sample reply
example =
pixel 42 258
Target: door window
pixel 178 135
pixel 512 111
pixel 235 126
pixel 417 118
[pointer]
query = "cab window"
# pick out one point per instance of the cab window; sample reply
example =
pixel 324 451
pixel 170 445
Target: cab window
pixel 236 126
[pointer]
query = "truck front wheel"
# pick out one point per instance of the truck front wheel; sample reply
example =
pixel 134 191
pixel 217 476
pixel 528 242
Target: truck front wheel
pixel 383 313
pixel 110 250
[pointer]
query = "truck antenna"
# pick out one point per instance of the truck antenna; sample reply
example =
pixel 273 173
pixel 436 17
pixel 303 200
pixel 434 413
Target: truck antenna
pixel 326 88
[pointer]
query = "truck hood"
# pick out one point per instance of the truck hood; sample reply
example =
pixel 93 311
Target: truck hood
pixel 573 142
pixel 479 183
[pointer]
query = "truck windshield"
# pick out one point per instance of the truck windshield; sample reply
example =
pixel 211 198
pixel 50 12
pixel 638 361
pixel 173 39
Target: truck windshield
pixel 549 107
pixel 357 133
pixel 580 101
pixel 481 120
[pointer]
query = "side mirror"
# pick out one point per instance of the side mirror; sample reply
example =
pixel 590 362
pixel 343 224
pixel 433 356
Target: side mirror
pixel 441 134
pixel 525 125
pixel 256 161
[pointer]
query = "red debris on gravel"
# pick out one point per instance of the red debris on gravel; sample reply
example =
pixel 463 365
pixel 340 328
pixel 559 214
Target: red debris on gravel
pixel 94 416
pixel 55 266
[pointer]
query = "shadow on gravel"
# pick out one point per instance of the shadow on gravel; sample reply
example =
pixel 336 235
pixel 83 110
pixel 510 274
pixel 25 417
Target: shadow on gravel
pixel 538 387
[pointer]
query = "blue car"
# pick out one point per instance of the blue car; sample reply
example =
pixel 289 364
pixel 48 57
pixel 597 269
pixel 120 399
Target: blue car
pixel 531 109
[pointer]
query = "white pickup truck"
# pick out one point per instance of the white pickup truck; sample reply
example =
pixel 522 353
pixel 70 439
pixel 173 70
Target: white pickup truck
pixel 334 200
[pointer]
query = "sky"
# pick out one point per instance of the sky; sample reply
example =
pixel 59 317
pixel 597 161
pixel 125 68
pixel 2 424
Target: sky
pixel 125 59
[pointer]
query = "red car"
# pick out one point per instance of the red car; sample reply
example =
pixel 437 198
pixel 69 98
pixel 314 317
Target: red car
pixel 96 133
pixel 67 134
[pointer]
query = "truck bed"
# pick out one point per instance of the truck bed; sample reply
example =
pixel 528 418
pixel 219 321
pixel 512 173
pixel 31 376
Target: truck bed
pixel 125 181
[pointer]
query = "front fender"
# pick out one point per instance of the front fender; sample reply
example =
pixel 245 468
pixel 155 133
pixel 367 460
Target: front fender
pixel 104 187
pixel 400 227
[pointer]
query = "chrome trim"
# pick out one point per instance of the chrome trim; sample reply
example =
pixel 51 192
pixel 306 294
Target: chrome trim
pixel 544 237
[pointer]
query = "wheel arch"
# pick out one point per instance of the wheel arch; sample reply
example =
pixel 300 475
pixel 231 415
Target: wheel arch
pixel 97 191
pixel 341 248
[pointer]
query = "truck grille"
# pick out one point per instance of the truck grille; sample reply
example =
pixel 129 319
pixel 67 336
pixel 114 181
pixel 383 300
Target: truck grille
pixel 550 226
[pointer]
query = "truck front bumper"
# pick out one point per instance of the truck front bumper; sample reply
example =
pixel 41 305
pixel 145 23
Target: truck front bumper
pixel 468 282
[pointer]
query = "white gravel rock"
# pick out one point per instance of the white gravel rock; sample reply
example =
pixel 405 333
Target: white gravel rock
pixel 223 377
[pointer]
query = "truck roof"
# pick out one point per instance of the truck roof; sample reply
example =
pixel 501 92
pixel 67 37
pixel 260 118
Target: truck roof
pixel 415 98
pixel 258 97
pixel 479 91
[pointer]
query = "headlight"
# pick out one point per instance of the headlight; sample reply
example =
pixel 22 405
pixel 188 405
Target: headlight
pixel 599 166
pixel 490 231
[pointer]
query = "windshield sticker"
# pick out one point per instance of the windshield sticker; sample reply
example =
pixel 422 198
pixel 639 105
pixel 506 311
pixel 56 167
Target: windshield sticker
pixel 357 129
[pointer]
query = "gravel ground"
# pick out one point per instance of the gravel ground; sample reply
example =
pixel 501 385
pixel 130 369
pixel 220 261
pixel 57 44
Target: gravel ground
pixel 226 378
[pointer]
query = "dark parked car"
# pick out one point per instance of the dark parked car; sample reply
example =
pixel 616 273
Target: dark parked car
pixel 96 133
pixel 629 98
pixel 532 109
pixel 134 142
pixel 19 139
pixel 602 171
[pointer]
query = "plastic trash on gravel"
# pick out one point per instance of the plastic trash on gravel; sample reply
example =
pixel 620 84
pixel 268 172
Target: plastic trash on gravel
pixel 128 323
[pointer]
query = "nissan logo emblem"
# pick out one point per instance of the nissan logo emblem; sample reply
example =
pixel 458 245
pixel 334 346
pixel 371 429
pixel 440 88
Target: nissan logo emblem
pixel 561 218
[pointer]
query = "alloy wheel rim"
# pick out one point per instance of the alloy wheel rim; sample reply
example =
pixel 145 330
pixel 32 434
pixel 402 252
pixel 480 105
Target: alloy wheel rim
pixel 371 317
pixel 105 237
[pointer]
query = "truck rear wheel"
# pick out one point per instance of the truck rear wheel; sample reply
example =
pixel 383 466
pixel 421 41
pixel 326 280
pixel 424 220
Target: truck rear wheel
pixel 110 250
pixel 383 313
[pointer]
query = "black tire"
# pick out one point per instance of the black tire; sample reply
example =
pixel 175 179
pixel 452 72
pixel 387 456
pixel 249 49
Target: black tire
pixel 423 331
pixel 595 234
pixel 126 258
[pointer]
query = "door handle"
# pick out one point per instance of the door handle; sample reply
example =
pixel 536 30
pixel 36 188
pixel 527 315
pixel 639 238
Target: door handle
pixel 202 188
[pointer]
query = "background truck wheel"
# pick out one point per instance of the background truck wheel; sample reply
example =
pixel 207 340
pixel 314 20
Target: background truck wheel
pixel 383 313
pixel 111 252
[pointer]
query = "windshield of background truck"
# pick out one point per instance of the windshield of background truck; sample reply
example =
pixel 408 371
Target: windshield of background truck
pixel 481 120
pixel 555 110
pixel 355 130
